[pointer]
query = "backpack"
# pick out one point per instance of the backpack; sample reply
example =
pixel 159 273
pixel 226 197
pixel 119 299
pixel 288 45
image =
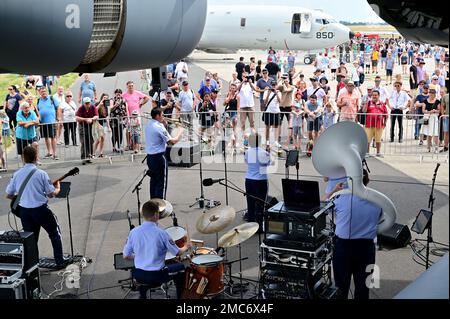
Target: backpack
pixel 51 99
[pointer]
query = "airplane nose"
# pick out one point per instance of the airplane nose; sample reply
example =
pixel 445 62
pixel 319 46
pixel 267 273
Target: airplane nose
pixel 352 35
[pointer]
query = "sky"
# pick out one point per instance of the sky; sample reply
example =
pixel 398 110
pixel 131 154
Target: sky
pixel 341 10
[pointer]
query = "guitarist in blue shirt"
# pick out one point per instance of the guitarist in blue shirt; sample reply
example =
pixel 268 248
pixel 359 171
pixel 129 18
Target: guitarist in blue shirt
pixel 32 206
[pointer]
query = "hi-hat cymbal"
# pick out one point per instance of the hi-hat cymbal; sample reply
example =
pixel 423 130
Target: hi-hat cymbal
pixel 216 219
pixel 165 207
pixel 238 235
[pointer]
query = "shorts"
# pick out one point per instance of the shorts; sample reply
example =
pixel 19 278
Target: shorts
pixel 376 133
pixel 6 132
pixel 445 125
pixel 233 114
pixel 314 126
pixel 271 119
pixel 21 144
pixel 285 113
pixel 389 72
pixel 333 70
pixel 48 131
pixel 297 131
pixel 357 84
pixel 136 138
pixel 374 62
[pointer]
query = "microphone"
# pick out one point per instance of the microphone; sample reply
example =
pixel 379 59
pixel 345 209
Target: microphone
pixel 209 181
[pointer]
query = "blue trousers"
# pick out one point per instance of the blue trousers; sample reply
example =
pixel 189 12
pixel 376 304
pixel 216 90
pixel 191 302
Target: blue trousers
pixel 157 164
pixel 258 189
pixel 173 272
pixel 35 218
pixel 351 258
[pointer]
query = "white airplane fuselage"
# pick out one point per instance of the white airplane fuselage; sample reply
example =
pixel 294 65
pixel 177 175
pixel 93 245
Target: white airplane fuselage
pixel 254 27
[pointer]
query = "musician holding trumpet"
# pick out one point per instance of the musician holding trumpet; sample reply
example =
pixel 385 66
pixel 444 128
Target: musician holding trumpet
pixel 148 245
pixel 156 144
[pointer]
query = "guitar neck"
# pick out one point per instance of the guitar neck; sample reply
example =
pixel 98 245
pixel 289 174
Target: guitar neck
pixel 60 179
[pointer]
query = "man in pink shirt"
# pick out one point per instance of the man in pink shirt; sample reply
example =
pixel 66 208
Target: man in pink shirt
pixel 348 102
pixel 134 99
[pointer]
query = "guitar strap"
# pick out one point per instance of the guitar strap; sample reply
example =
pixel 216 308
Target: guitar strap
pixel 22 188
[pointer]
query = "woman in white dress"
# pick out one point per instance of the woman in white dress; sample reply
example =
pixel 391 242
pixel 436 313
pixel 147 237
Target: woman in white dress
pixel 430 128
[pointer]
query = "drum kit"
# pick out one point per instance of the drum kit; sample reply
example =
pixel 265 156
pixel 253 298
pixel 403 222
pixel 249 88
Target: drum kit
pixel 206 271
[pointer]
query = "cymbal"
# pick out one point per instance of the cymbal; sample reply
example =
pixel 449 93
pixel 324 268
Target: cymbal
pixel 165 207
pixel 216 219
pixel 238 235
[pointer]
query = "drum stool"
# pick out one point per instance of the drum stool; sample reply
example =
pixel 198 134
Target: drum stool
pixel 144 288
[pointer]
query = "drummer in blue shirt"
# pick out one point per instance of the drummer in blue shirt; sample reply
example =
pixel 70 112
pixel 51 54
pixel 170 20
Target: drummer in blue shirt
pixel 148 245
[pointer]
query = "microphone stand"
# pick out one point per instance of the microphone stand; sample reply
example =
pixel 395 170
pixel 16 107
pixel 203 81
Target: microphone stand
pixel 137 189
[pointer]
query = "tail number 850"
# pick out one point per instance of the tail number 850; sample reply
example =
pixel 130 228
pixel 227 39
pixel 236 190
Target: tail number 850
pixel 325 35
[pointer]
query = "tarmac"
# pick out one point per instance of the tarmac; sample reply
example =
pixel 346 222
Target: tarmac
pixel 102 194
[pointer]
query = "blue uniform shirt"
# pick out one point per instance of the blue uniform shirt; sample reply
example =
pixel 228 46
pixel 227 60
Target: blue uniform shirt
pixel 47 110
pixel 28 133
pixel 149 244
pixel 37 189
pixel 157 138
pixel 332 182
pixel 364 217
pixel 257 161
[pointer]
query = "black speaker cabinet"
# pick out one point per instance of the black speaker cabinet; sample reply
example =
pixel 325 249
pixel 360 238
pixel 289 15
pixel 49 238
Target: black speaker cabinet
pixel 398 236
pixel 31 253
pixel 183 154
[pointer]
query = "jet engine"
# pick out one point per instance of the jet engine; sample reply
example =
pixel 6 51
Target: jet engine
pixel 97 36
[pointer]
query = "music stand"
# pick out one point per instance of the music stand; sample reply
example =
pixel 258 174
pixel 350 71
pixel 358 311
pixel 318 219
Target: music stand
pixel 64 193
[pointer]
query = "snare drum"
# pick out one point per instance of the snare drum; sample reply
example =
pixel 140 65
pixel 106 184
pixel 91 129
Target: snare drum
pixel 178 235
pixel 210 267
pixel 204 251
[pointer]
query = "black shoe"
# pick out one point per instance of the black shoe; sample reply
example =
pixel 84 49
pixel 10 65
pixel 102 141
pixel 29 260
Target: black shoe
pixel 63 263
pixel 391 141
pixel 400 141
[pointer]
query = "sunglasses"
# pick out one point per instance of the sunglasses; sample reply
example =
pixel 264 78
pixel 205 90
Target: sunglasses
pixel 68 95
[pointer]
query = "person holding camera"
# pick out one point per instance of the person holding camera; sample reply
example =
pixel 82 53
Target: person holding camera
pixel 246 102
pixel 102 124
pixel 271 117
pixel 376 115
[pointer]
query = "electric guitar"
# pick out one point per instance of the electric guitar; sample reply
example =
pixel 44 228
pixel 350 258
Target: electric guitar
pixel 73 172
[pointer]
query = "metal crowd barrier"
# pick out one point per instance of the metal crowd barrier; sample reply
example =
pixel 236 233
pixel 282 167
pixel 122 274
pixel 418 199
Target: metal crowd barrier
pixel 117 135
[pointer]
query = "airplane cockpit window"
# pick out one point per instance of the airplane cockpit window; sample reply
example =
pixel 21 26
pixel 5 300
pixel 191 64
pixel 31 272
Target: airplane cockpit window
pixel 319 21
pixel 325 21
pixel 296 23
pixel 243 22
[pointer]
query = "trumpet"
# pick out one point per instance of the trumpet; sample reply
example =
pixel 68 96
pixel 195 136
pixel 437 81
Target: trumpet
pixel 178 122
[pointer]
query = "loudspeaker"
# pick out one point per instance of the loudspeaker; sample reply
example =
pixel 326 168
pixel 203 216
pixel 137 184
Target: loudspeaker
pixel 398 236
pixel 31 253
pixel 183 154
pixel 159 78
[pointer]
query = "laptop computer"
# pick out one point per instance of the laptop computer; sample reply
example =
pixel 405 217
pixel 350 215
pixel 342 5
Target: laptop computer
pixel 303 196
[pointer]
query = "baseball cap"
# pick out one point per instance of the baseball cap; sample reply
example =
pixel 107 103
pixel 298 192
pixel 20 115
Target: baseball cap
pixel 314 79
pixel 87 100
pixel 265 70
pixel 426 86
pixel 274 83
pixel 350 83
pixel 435 77
pixel 324 79
pixel 185 83
pixel 285 76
